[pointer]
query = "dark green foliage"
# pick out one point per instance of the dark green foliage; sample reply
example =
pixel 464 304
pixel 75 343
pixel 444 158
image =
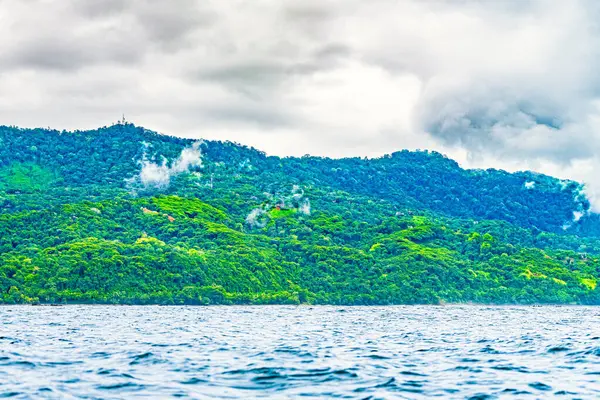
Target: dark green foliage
pixel 412 227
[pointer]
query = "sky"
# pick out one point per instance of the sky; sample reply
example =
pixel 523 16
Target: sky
pixel 509 84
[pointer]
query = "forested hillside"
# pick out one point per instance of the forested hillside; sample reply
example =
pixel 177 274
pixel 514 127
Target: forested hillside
pixel 125 215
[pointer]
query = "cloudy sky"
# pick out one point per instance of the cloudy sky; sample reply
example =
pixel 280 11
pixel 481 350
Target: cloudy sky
pixel 508 83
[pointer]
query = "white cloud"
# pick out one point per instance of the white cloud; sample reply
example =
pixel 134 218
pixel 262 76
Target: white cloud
pixel 154 174
pixel 509 84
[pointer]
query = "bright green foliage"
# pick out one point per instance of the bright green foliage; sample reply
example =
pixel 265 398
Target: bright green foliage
pixel 190 208
pixel 383 231
pixel 25 177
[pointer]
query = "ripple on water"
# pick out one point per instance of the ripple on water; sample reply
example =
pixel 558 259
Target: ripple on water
pixel 122 386
pixel 146 358
pixel 7 395
pixel 558 349
pixel 289 352
pixel 540 386
pixel 193 381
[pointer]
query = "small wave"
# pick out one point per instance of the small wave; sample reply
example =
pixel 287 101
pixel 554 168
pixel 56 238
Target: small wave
pixel 10 394
pixel 415 384
pixel 280 377
pixel 594 352
pixel 387 384
pixel 557 349
pixel 489 349
pixel 100 354
pixel 377 357
pixel 260 370
pixel 193 381
pixel 540 386
pixel 142 356
pixel 469 360
pixel 114 373
pixel 481 396
pixel 24 364
pixel 523 370
pixel 60 363
pixel 71 381
pixel 121 386
pixel 294 351
pixel 564 393
pixel 103 371
pixel 145 358
pixel 411 373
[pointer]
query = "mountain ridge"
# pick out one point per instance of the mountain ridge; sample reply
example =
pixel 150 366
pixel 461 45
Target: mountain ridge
pixel 332 171
pixel 126 215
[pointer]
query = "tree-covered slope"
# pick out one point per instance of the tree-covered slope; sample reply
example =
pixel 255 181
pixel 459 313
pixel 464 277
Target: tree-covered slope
pixel 423 180
pixel 124 215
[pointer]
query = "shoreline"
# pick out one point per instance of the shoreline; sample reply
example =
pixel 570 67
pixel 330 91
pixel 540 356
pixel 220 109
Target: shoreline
pixel 537 305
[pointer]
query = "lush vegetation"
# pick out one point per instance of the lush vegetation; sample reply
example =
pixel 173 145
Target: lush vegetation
pixel 78 224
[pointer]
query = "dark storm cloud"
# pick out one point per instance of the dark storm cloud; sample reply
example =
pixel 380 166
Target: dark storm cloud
pixel 245 73
pixel 310 17
pixel 99 8
pixel 266 74
pixel 69 53
pixel 170 23
pixel 71 35
pixel 308 11
pixel 257 114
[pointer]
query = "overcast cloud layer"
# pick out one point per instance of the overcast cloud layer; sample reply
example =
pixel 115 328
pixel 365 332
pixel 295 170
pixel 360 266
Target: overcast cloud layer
pixel 510 83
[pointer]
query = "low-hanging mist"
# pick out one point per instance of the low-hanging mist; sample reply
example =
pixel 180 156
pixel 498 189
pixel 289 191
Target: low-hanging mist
pixel 153 174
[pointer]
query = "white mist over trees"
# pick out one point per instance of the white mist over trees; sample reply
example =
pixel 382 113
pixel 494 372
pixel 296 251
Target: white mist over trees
pixel 159 175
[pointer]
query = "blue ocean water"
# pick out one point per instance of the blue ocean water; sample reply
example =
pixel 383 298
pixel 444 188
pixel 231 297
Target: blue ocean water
pixel 281 352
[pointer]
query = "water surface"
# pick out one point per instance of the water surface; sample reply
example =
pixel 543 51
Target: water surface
pixel 284 352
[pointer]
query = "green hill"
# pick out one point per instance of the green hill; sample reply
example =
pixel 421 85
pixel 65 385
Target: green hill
pixel 124 215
